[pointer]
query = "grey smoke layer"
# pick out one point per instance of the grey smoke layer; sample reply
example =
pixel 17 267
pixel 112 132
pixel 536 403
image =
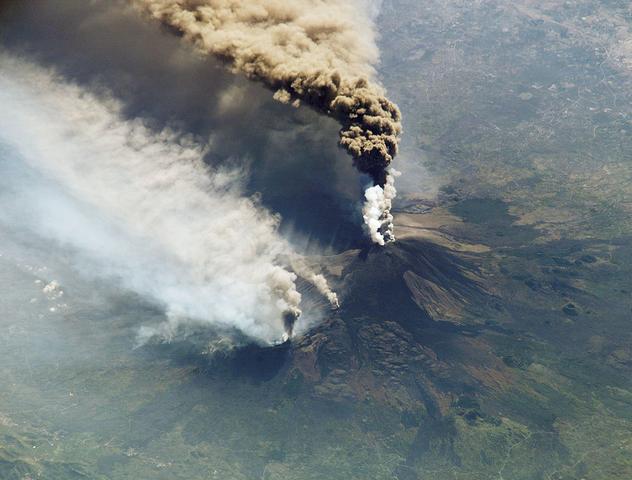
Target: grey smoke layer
pixel 141 207
pixel 289 155
pixel 318 52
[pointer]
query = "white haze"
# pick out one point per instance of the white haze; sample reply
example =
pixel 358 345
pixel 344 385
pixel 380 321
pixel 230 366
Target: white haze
pixel 373 7
pixel 138 207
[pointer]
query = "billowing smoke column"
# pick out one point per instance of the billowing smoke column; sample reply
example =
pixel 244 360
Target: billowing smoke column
pixel 320 52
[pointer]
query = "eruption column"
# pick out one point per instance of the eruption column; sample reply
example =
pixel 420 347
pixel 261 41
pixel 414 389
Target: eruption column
pixel 320 52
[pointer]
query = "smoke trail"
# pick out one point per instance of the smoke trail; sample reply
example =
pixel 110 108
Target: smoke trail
pixel 140 207
pixel 318 280
pixel 320 52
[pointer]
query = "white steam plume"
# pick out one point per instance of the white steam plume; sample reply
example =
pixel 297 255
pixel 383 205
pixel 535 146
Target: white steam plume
pixel 320 52
pixel 377 209
pixel 139 207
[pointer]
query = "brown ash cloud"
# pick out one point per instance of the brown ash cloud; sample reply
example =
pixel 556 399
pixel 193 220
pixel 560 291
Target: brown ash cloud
pixel 317 52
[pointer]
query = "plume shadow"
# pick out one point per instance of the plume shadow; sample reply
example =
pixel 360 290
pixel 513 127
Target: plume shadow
pixel 291 155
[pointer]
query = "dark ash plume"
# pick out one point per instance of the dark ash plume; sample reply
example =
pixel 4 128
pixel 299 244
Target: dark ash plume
pixel 321 53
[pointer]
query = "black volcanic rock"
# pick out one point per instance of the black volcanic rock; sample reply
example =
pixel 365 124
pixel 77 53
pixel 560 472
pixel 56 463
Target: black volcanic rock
pixel 389 280
pixel 386 339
